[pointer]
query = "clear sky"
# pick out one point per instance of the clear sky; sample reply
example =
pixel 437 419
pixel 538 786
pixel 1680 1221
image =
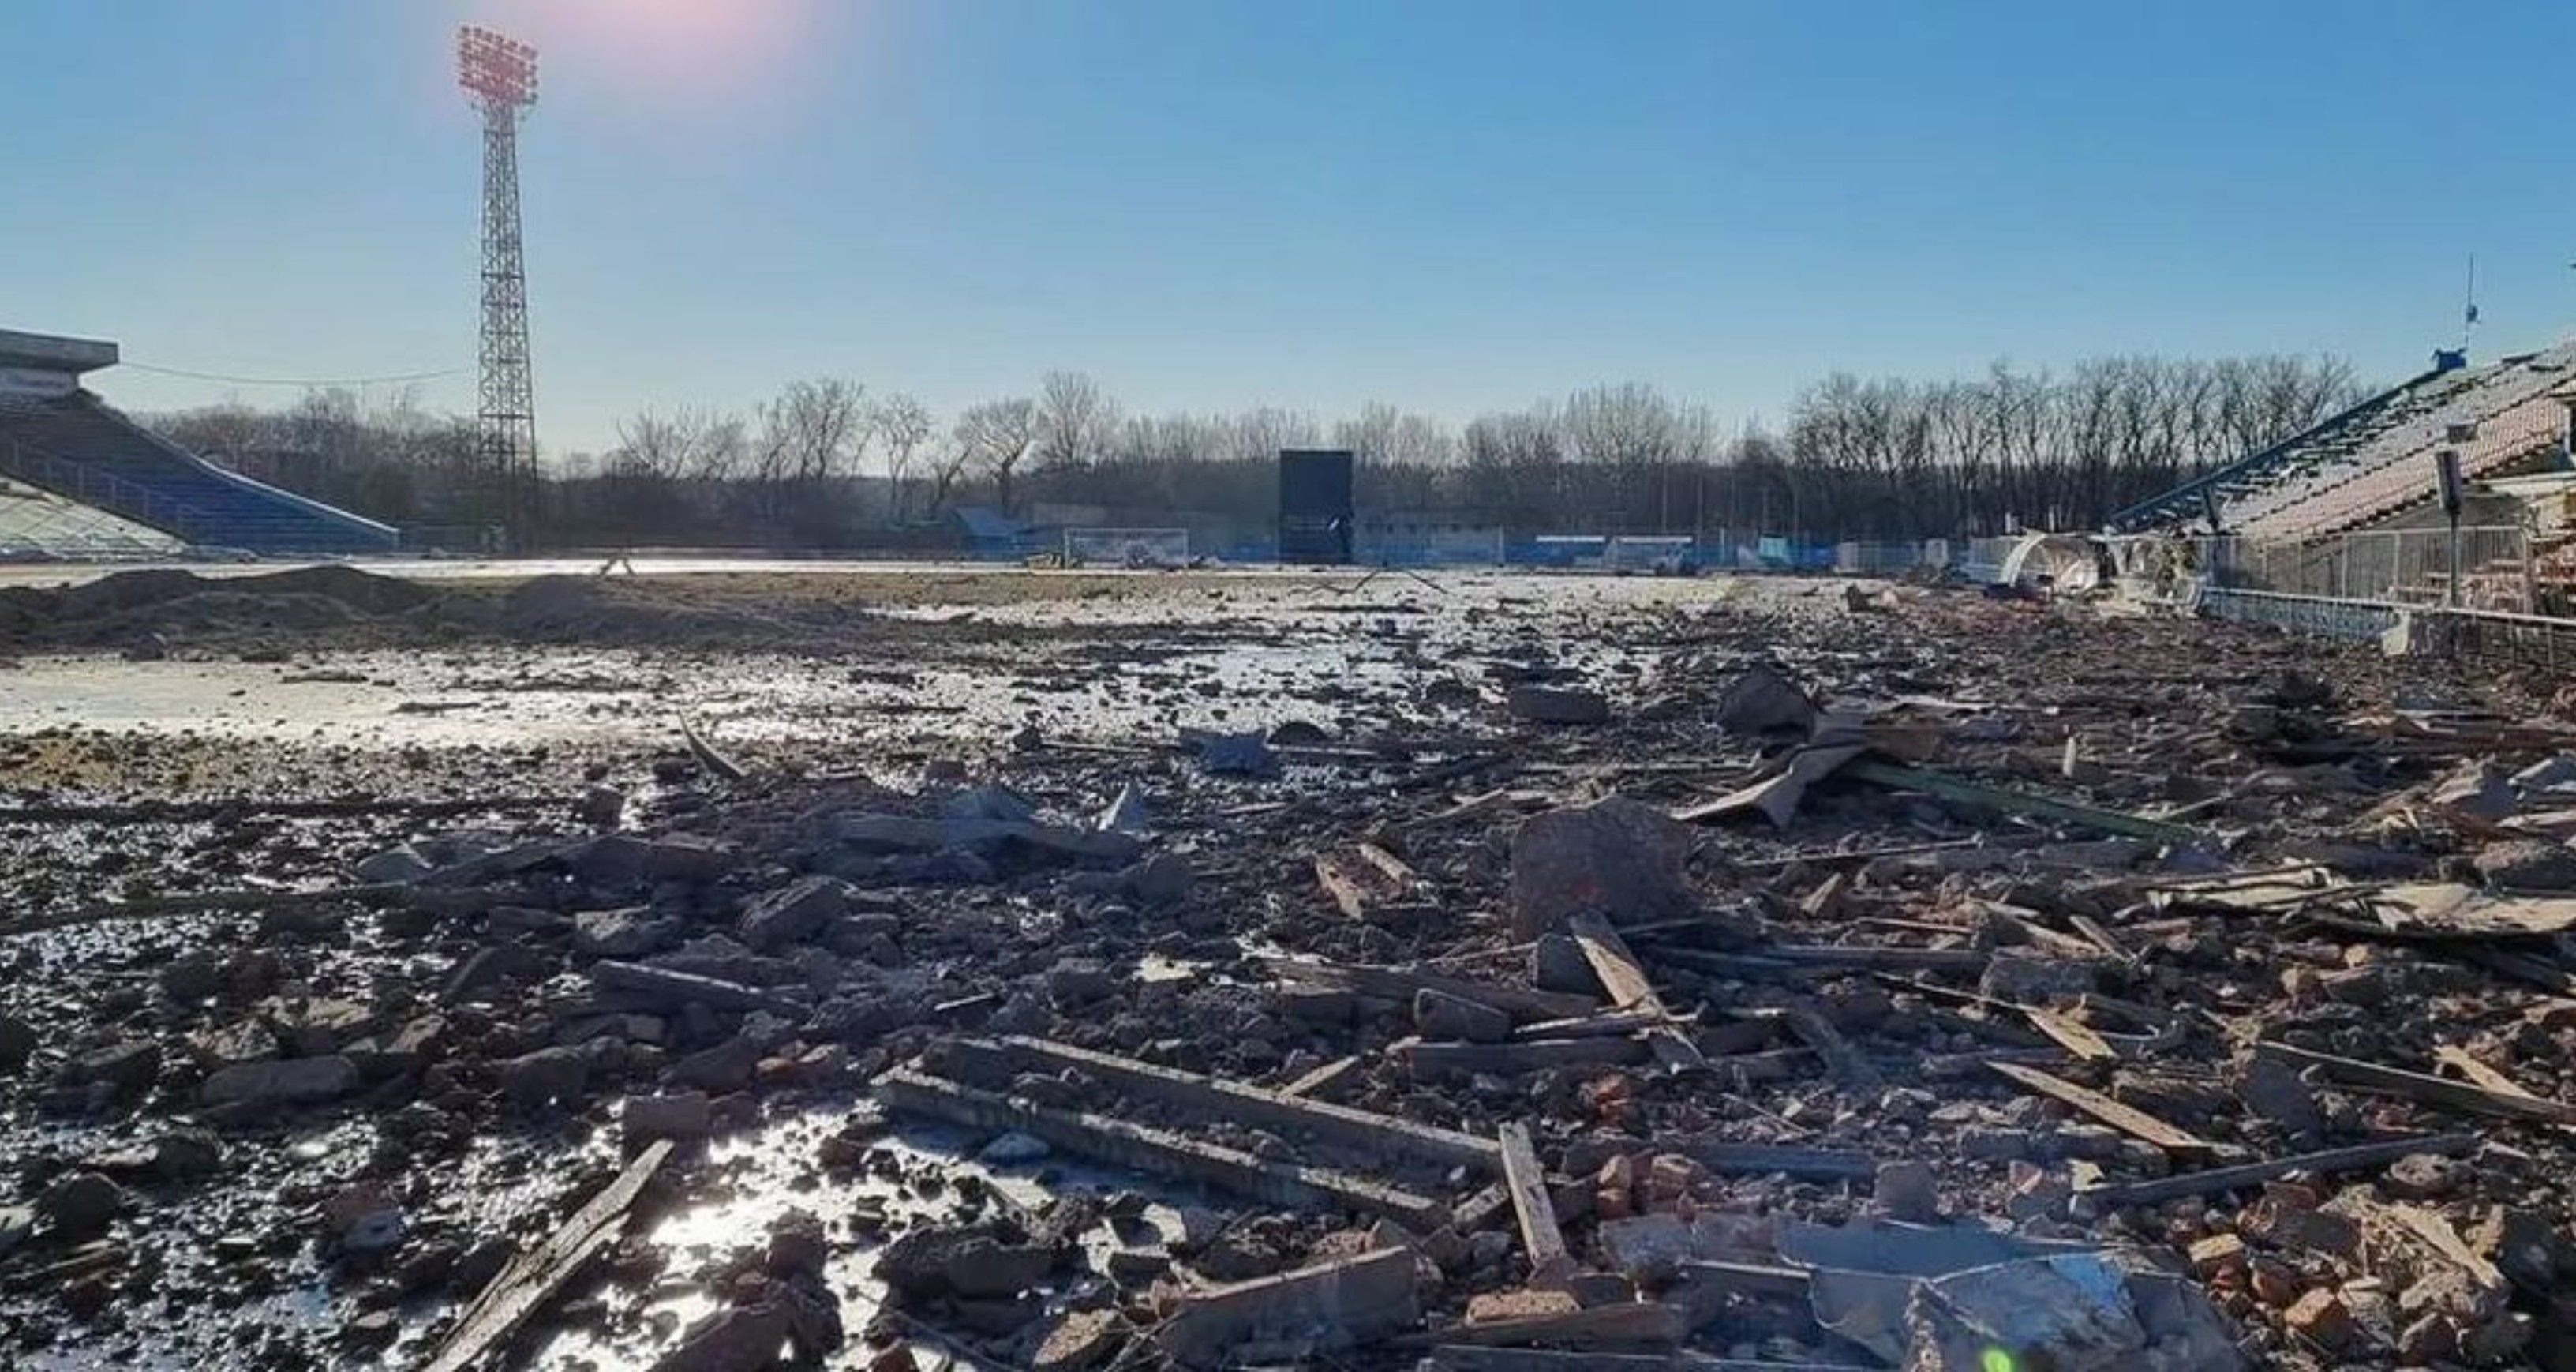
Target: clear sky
pixel 1452 205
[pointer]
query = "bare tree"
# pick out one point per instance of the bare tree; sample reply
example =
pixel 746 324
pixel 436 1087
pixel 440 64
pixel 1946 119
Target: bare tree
pixel 1076 420
pixel 947 461
pixel 995 437
pixel 903 424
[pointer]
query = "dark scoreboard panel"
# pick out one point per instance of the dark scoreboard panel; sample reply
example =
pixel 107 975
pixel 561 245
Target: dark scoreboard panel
pixel 1315 512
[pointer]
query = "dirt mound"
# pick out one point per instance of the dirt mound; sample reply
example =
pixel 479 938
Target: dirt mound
pixel 180 604
pixel 607 609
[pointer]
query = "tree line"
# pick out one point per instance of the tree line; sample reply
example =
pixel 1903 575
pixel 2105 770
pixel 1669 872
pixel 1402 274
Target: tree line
pixel 828 462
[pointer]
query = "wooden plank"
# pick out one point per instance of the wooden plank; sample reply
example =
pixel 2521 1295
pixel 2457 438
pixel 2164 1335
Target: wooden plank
pixel 1233 1100
pixel 1342 885
pixel 1399 985
pixel 2429 1089
pixel 2479 1074
pixel 533 1278
pixel 1323 1079
pixel 1541 1239
pixel 2356 1158
pixel 1631 989
pixel 2102 938
pixel 2135 1123
pixel 1432 1061
pixel 1746 1278
pixel 1395 869
pixel 1156 1151
pixel 2070 1034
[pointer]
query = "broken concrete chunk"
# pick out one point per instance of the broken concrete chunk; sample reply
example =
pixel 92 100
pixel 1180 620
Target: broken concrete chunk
pixel 1079 1339
pixel 1438 1015
pixel 1558 705
pixel 545 1076
pixel 972 1263
pixel 1320 1309
pixel 1763 700
pixel 740 1339
pixel 2037 981
pixel 288 1081
pixel 1908 1191
pixel 403 864
pixel 1614 856
pixel 683 1116
pixel 2321 1317
pixel 81 1205
pixel 1163 879
pixel 2273 1089
pixel 1558 963
pixel 795 912
pixel 632 932
pixel 2478 790
pixel 2528 864
pixel 1246 755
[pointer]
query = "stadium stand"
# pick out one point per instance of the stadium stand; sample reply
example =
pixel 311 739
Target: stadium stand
pixel 2376 458
pixel 59 438
pixel 39 526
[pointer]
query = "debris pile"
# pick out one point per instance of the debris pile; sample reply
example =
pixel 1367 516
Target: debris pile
pixel 1898 983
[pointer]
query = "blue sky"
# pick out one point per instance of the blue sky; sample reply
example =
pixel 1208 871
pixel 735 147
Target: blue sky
pixel 1452 205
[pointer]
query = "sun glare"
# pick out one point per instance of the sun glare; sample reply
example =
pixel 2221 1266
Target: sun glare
pixel 665 51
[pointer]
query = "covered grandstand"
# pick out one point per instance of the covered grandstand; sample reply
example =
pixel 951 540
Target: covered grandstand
pixel 58 438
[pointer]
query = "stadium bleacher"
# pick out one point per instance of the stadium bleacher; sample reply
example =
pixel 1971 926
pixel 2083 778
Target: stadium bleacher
pixel 39 526
pixel 2377 458
pixel 81 449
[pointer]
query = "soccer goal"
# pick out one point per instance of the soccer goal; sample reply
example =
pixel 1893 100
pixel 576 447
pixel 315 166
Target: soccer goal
pixel 1126 547
pixel 1660 554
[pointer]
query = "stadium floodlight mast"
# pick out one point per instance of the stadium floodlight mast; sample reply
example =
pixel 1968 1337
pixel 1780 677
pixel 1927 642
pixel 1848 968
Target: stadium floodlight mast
pixel 499 75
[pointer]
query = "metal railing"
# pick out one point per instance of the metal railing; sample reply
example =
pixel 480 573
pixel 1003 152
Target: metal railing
pixel 2392 566
pixel 106 490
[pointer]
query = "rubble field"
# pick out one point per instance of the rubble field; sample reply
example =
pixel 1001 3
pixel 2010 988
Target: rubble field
pixel 1476 971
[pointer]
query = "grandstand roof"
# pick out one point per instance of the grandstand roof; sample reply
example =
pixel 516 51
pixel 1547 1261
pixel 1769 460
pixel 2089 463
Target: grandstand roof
pixel 54 352
pixel 2377 458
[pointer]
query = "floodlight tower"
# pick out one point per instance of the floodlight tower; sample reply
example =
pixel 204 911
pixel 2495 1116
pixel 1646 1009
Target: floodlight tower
pixel 499 75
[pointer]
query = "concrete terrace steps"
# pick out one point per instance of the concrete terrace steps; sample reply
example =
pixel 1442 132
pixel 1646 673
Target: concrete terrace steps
pixel 83 450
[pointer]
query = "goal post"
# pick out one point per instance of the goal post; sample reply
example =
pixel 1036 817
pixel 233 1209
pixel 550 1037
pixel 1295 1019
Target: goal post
pixel 1126 547
pixel 1662 554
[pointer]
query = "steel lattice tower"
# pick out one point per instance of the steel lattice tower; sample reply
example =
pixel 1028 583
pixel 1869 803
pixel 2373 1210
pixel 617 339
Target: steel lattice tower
pixel 499 75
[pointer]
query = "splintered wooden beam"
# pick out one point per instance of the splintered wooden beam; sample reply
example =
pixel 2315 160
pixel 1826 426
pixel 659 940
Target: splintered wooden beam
pixel 2431 1090
pixel 1399 984
pixel 1219 1099
pixel 1322 1079
pixel 2359 1157
pixel 2070 1034
pixel 1156 1151
pixel 1631 989
pixel 2135 1123
pixel 533 1278
pixel 1540 1237
pixel 1343 885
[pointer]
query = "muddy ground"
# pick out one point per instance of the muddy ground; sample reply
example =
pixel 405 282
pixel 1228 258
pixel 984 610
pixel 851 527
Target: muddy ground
pixel 309 1129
